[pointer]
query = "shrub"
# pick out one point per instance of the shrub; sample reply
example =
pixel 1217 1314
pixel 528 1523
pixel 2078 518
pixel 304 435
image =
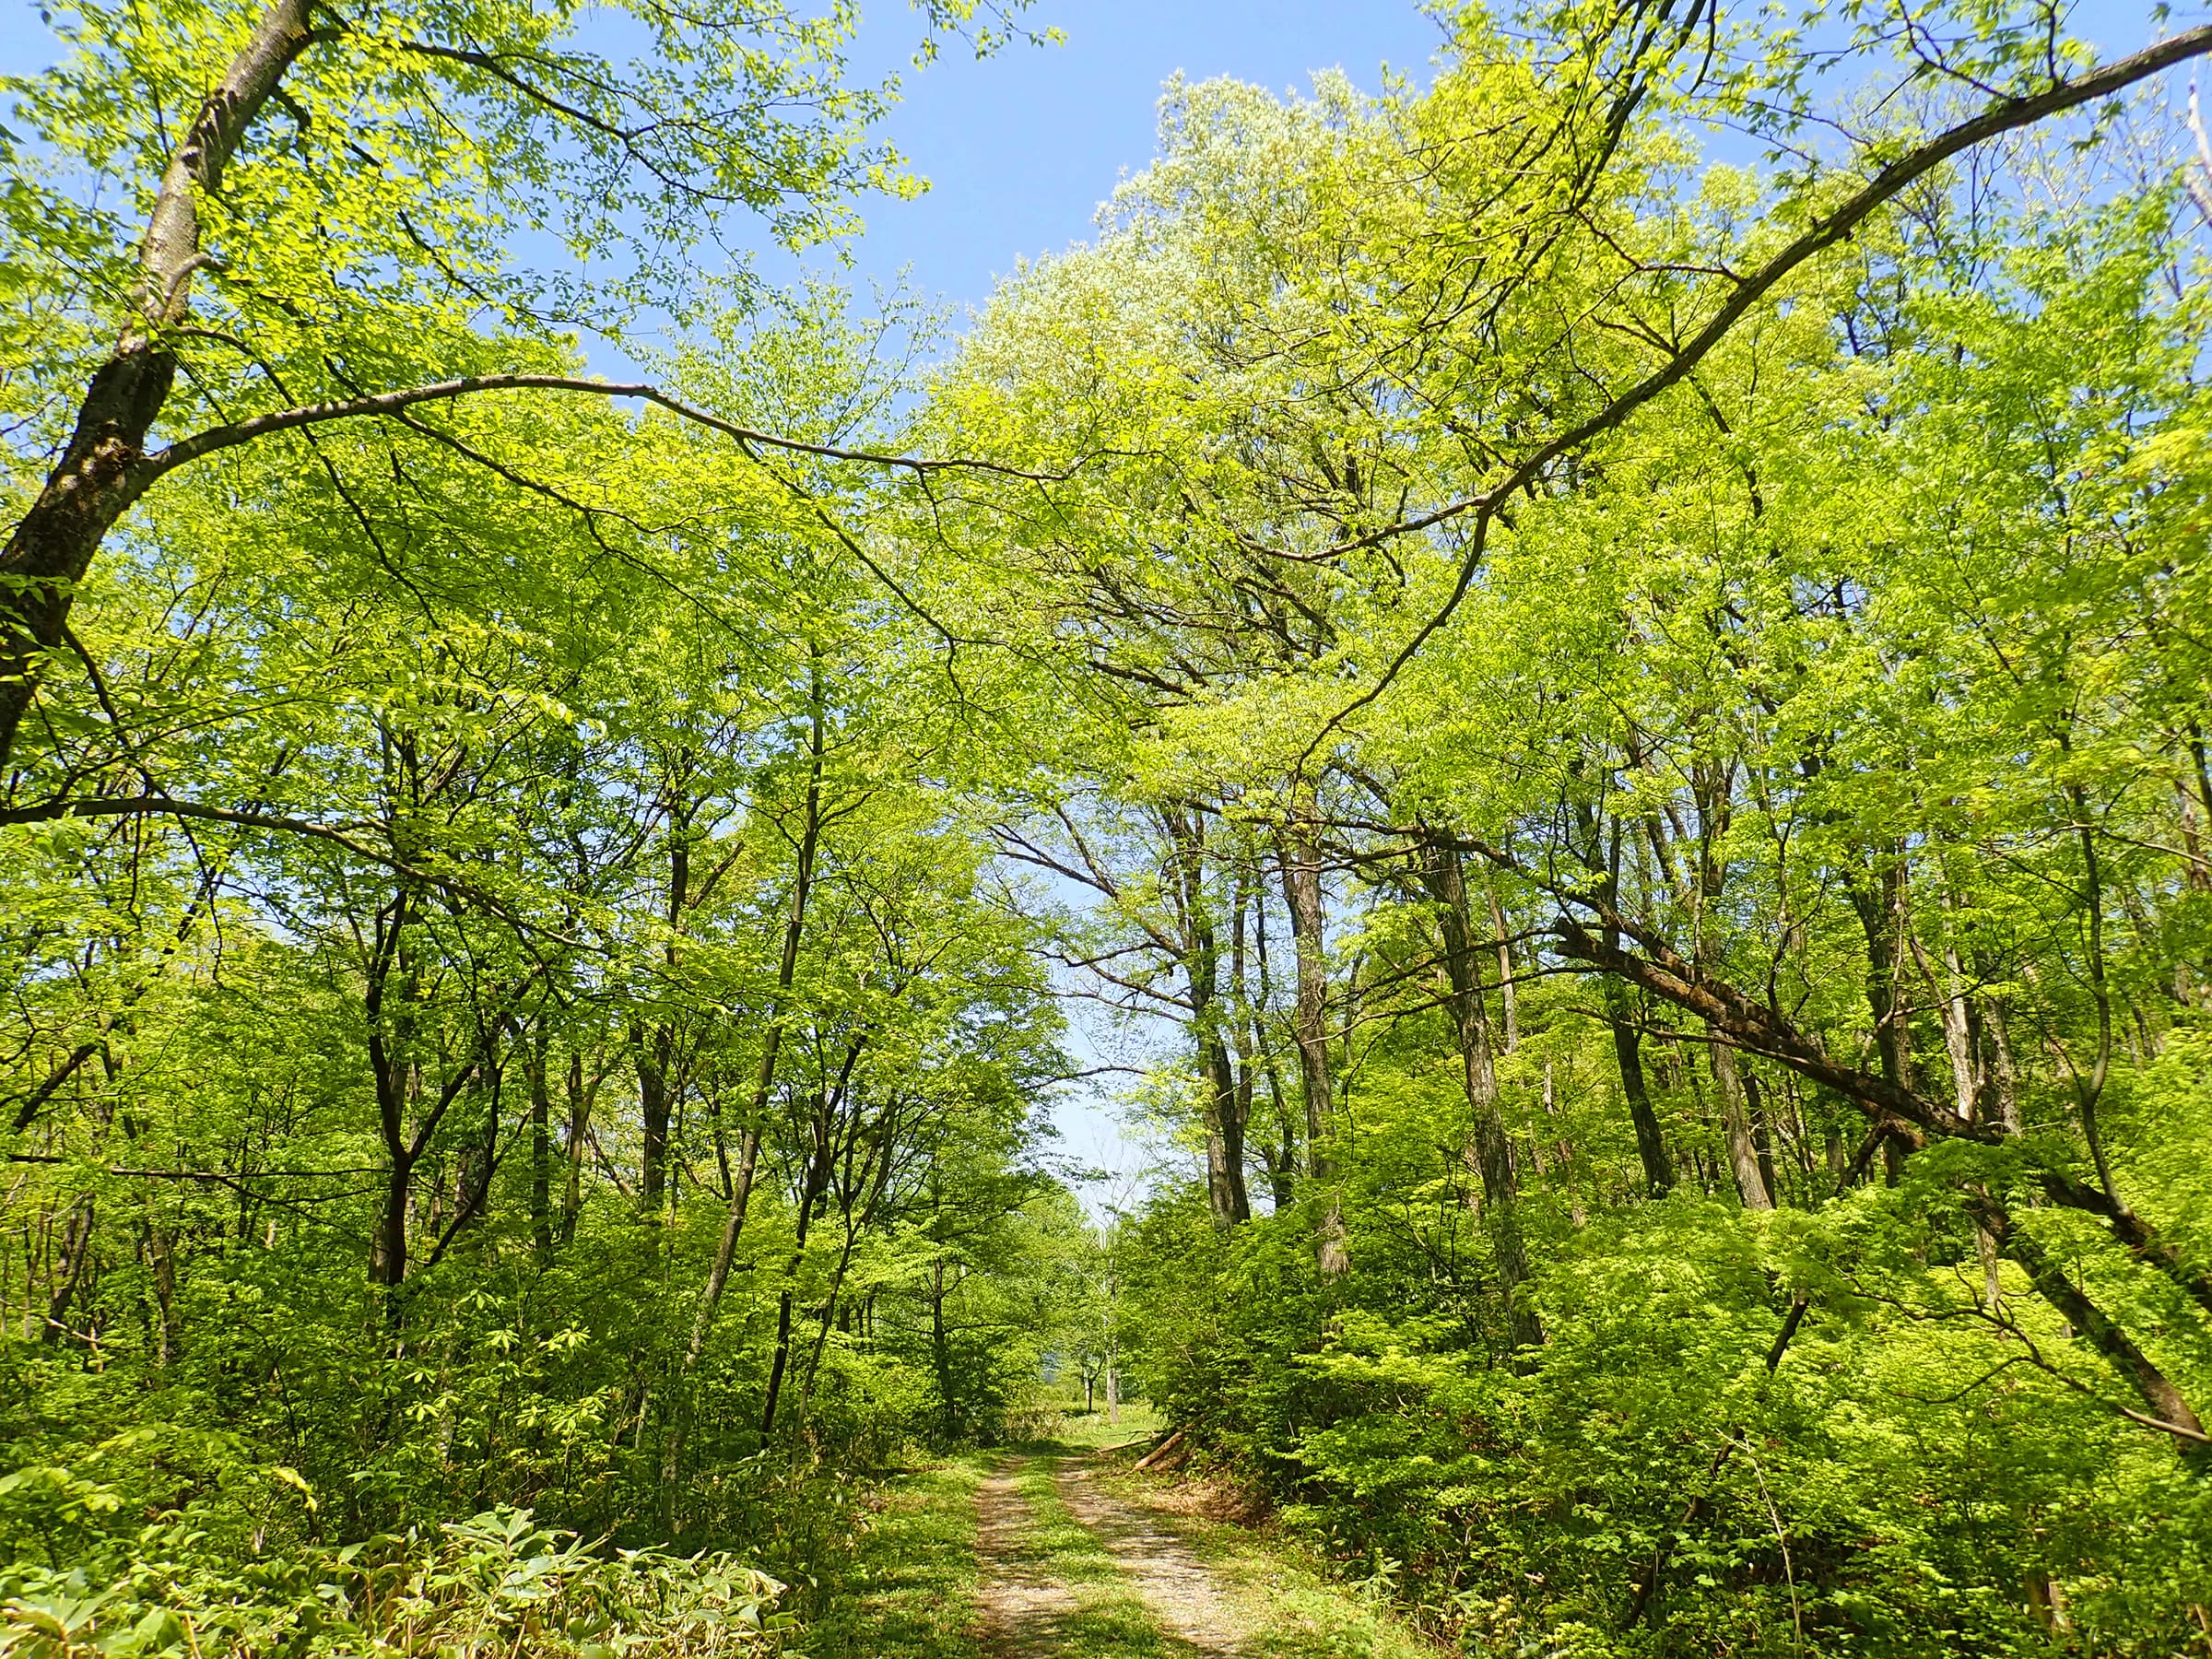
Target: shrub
pixel 498 1583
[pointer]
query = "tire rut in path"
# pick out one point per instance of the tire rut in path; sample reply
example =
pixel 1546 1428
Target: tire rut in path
pixel 1020 1605
pixel 1025 1611
pixel 1179 1590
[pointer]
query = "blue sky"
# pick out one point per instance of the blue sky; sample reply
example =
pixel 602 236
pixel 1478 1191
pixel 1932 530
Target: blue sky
pixel 1022 146
pixel 1019 149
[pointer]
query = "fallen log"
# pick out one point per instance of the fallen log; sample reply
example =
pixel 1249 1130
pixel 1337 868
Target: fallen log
pixel 1160 1451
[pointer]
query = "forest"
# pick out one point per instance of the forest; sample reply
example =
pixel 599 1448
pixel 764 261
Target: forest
pixel 1578 684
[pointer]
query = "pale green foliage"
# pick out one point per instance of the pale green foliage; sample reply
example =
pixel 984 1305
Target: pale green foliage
pixel 484 1586
pixel 1851 672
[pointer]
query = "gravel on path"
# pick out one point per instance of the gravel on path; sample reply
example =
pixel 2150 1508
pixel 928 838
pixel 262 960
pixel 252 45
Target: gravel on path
pixel 1020 1606
pixel 1180 1591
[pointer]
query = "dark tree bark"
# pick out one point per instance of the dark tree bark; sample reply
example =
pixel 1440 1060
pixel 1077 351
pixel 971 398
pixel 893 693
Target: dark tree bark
pixel 1627 1032
pixel 651 1046
pixel 1627 1053
pixel 1226 1195
pixel 654 1042
pixel 76 1249
pixel 764 1080
pixel 1877 896
pixel 813 1183
pixel 2171 1410
pixel 1763 1140
pixel 581 1095
pixel 408 1114
pixel 534 1054
pixel 390 1035
pixel 1894 1112
pixel 1712 789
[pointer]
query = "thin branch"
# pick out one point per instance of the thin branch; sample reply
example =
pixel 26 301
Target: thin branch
pixel 229 436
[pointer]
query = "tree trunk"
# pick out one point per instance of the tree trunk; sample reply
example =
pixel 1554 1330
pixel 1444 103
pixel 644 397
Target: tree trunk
pixel 1894 1112
pixel 1713 790
pixel 161 1261
pixel 1112 1374
pixel 1509 994
pixel 830 1308
pixel 1441 873
pixel 388 1259
pixel 76 1246
pixel 580 1122
pixel 1762 1143
pixel 653 1044
pixel 1620 1019
pixel 764 1081
pixel 1627 1053
pixel 1878 898
pixel 1300 855
pixel 2168 1404
pixel 390 1068
pixel 1282 1163
pixel 1225 1195
pixel 1239 1056
pixel 812 1185
pixel 940 1353
pixel 650 1046
pixel 1735 1127
pixel 103 470
pixel 541 1146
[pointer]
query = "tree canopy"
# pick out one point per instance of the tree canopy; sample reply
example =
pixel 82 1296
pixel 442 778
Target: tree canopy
pixel 1595 662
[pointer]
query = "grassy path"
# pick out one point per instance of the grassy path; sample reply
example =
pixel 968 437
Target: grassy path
pixel 1059 1555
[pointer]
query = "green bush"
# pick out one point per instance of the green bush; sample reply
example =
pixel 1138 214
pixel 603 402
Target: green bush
pixel 498 1583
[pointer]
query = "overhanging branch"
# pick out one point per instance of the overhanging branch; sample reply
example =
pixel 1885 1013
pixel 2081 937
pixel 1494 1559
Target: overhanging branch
pixel 2000 116
pixel 234 433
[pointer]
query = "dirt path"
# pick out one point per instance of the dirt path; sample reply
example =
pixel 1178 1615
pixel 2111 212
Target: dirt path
pixel 1060 1554
pixel 1178 1590
pixel 1020 1606
pixel 1067 1571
